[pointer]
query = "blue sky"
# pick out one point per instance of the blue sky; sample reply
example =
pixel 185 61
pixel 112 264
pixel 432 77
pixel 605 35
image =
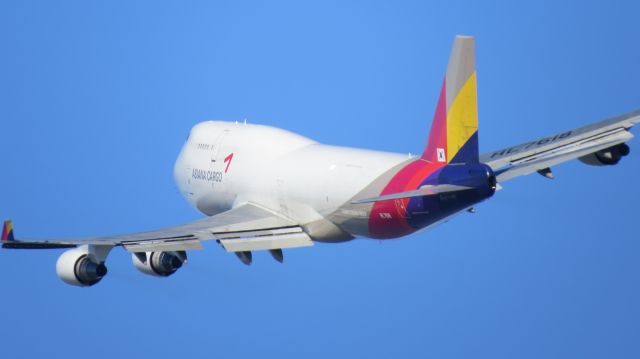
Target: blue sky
pixel 96 101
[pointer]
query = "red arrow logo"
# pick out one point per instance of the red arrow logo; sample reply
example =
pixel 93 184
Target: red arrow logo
pixel 227 160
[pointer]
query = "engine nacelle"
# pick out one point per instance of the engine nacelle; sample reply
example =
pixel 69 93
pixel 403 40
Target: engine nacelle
pixel 159 264
pixel 77 268
pixel 607 157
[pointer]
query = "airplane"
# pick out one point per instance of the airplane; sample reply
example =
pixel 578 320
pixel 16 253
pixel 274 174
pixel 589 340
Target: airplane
pixel 264 188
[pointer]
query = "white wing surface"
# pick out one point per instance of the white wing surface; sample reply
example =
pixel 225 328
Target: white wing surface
pixel 244 228
pixel 600 143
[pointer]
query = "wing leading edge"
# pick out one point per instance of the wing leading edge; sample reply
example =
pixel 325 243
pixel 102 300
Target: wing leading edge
pixel 539 155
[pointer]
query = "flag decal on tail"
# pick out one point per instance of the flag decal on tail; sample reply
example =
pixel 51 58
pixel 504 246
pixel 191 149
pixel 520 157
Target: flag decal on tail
pixel 7 231
pixel 441 155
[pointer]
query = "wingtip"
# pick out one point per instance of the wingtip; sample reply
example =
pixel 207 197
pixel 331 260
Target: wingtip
pixel 7 231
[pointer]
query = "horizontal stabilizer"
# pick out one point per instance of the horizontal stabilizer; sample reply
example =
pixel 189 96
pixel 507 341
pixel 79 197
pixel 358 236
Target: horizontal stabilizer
pixel 426 190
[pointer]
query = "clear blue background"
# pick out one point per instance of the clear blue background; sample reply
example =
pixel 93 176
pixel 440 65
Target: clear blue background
pixel 97 97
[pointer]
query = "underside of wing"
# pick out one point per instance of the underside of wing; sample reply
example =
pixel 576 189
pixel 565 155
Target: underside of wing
pixel 426 190
pixel 244 228
pixel 601 143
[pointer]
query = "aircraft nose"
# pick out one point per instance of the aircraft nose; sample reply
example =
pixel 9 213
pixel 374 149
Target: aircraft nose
pixel 180 172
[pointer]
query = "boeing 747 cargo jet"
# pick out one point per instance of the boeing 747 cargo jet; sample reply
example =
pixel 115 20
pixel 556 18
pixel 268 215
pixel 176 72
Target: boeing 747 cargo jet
pixel 263 188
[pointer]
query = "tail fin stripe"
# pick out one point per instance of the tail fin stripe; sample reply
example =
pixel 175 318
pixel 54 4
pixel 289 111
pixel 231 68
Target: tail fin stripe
pixel 7 231
pixel 438 134
pixel 462 120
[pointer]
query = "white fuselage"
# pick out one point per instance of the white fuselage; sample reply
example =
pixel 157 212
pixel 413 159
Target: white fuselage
pixel 225 164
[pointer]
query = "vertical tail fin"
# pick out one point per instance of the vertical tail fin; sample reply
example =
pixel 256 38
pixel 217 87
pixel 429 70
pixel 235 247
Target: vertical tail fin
pixel 454 131
pixel 7 231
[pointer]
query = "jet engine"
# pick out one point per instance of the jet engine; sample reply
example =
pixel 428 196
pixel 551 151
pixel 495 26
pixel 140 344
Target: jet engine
pixel 77 268
pixel 159 264
pixel 607 157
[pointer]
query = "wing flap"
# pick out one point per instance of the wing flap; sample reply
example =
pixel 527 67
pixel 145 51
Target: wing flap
pixel 162 246
pixel 266 240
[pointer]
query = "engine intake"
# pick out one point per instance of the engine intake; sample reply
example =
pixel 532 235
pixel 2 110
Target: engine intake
pixel 76 267
pixel 159 264
pixel 607 157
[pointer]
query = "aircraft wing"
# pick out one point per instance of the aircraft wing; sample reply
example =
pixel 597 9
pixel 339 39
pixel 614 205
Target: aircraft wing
pixel 599 138
pixel 426 190
pixel 244 228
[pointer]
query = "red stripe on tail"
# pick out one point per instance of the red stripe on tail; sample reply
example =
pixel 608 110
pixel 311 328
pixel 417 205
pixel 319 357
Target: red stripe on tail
pixel 7 231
